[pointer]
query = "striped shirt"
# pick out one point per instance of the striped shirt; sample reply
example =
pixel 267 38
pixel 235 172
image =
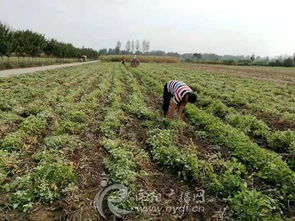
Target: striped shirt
pixel 178 90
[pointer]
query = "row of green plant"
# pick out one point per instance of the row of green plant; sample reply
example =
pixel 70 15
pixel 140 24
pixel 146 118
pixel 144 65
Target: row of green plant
pixel 7 120
pixel 246 95
pixel 26 102
pixel 228 182
pixel 17 92
pixel 51 179
pixel 121 163
pixel 224 178
pixel 32 125
pixel 75 109
pixel 265 164
pixel 8 160
pixel 72 119
pixel 122 167
pixel 43 100
pixel 30 130
pixel 279 141
pixel 54 176
pixel 142 58
pixel 110 127
pixel 23 62
pixel 39 120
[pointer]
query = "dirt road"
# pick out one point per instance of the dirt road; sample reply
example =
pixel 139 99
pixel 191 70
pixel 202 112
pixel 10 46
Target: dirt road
pixel 11 72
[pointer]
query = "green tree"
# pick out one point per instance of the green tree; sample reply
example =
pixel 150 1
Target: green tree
pixel 132 47
pixel 103 51
pixel 288 62
pixel 252 58
pixel 118 47
pixel 197 55
pixel 29 43
pixel 137 47
pixel 6 41
pixel 128 46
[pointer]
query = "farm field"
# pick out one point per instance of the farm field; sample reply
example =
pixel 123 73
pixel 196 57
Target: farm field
pixel 274 74
pixel 22 62
pixel 63 131
pixel 19 71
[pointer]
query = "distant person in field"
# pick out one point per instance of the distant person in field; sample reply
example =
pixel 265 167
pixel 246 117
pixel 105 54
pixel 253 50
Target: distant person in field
pixel 181 94
pixel 123 60
pixel 134 61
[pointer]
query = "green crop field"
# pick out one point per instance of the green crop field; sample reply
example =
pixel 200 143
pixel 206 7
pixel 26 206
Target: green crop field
pixel 22 62
pixel 62 131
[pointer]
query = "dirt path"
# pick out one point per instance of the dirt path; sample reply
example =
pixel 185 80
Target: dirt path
pixel 18 71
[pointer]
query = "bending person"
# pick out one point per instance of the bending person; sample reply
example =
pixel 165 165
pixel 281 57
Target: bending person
pixel 181 94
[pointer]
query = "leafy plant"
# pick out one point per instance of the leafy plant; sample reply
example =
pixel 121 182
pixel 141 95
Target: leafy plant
pixel 13 141
pixel 270 166
pixel 33 124
pixel 248 124
pixel 76 116
pixel 282 140
pixel 70 127
pixel 62 141
pixel 218 108
pixel 45 183
pixel 252 205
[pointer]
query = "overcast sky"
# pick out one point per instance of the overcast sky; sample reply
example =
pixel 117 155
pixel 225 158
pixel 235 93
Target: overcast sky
pixel 262 27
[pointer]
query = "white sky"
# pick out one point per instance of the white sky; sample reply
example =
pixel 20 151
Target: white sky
pixel 262 27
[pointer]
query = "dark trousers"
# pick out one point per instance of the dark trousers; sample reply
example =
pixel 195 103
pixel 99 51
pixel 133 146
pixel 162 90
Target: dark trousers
pixel 166 99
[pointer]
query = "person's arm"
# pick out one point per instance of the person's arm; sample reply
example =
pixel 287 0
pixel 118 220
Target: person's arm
pixel 171 110
pixel 181 110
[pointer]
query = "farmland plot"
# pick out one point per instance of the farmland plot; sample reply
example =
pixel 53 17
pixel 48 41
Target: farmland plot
pixel 68 134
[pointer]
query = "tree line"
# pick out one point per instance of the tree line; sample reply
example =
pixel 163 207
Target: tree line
pixel 135 47
pixel 24 43
pixel 286 60
pixel 131 47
